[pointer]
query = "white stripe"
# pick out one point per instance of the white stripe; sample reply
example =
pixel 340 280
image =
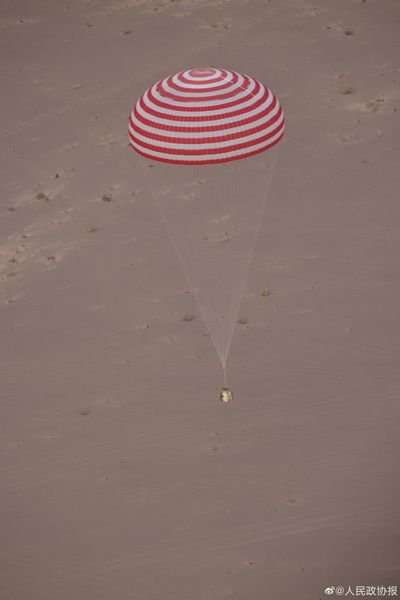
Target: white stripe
pixel 206 134
pixel 228 119
pixel 204 113
pixel 209 157
pixel 205 83
pixel 208 145
pixel 239 85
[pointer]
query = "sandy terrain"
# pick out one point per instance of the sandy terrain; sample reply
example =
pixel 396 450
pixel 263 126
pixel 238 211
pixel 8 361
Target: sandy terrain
pixel 122 476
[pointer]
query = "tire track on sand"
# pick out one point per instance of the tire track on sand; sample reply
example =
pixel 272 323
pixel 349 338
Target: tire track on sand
pixel 216 543
pixel 168 444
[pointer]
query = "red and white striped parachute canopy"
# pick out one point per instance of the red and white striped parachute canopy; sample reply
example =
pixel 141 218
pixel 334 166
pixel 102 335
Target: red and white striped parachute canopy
pixel 205 116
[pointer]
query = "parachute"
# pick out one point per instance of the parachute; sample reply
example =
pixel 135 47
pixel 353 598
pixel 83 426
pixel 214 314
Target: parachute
pixel 205 116
pixel 193 131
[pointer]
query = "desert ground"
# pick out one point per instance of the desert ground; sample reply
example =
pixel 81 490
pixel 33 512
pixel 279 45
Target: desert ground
pixel 122 475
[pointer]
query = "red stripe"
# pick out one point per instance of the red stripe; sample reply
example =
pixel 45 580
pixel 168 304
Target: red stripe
pixel 206 119
pixel 181 77
pixel 204 90
pixel 234 91
pixel 208 161
pixel 203 125
pixel 204 128
pixel 207 106
pixel 199 152
pixel 207 140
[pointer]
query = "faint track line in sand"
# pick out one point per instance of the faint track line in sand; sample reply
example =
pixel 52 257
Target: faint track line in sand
pixel 141 446
pixel 153 71
pixel 243 535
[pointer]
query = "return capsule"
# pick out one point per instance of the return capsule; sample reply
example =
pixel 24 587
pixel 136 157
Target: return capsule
pixel 226 395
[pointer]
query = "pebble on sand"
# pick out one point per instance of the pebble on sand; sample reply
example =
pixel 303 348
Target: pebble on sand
pixel 347 89
pixel 266 292
pixel 42 196
pixel 188 318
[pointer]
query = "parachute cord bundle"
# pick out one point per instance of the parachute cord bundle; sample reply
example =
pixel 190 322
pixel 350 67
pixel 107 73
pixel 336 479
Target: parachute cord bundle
pixel 181 262
pixel 250 257
pixel 222 332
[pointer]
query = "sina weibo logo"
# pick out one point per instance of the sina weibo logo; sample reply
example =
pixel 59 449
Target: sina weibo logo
pixel 329 590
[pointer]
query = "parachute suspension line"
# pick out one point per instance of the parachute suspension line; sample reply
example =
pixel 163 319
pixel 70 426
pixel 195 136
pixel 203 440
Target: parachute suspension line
pixel 251 253
pixel 225 379
pixel 205 197
pixel 227 276
pixel 181 262
pixel 218 201
pixel 227 189
pixel 222 189
pixel 212 190
pixel 213 183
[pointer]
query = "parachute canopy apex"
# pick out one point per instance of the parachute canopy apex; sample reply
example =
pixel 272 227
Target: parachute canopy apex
pixel 204 116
